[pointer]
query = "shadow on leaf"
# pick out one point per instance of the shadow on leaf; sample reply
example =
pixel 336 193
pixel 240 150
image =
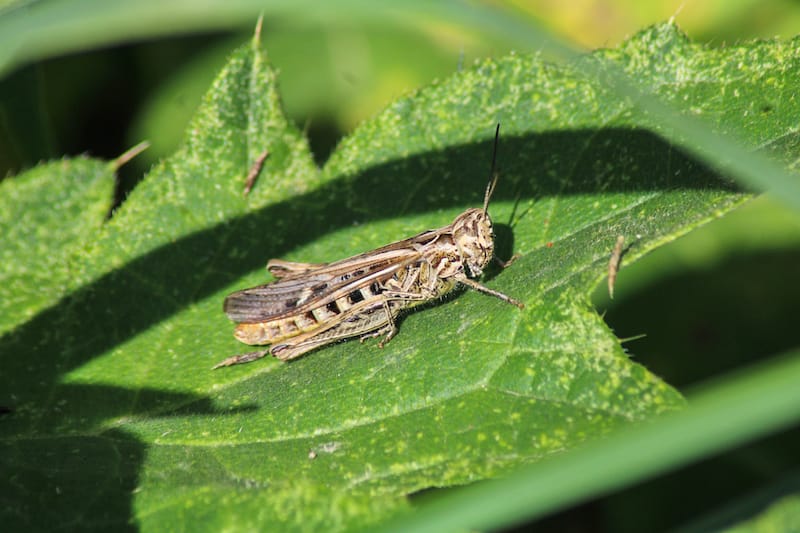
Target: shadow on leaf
pixel 148 290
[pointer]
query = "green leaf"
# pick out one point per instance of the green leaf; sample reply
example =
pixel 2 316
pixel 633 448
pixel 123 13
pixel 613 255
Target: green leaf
pixel 783 515
pixel 736 409
pixel 117 416
pixel 47 215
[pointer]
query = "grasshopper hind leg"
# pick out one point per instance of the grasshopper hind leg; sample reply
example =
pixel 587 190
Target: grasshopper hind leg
pixel 241 359
pixel 389 328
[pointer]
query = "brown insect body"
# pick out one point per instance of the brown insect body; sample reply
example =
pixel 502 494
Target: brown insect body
pixel 311 305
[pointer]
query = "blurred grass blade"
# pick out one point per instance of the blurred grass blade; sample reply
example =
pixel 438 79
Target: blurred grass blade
pixel 34 31
pixel 722 415
pixel 46 29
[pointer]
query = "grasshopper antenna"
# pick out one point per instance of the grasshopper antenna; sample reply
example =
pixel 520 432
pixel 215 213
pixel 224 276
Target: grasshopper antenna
pixel 493 175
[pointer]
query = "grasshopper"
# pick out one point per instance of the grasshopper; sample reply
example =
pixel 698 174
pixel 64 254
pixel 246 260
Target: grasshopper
pixel 312 305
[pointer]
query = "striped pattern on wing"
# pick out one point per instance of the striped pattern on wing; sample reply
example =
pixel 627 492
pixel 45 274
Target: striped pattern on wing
pixel 302 287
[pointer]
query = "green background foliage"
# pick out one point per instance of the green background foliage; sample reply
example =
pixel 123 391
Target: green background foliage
pixel 110 327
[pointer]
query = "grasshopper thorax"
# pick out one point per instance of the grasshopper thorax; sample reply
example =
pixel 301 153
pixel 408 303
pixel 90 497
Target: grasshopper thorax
pixel 474 239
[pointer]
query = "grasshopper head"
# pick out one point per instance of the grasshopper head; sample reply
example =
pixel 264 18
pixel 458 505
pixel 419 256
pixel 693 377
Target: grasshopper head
pixel 473 236
pixel 472 229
